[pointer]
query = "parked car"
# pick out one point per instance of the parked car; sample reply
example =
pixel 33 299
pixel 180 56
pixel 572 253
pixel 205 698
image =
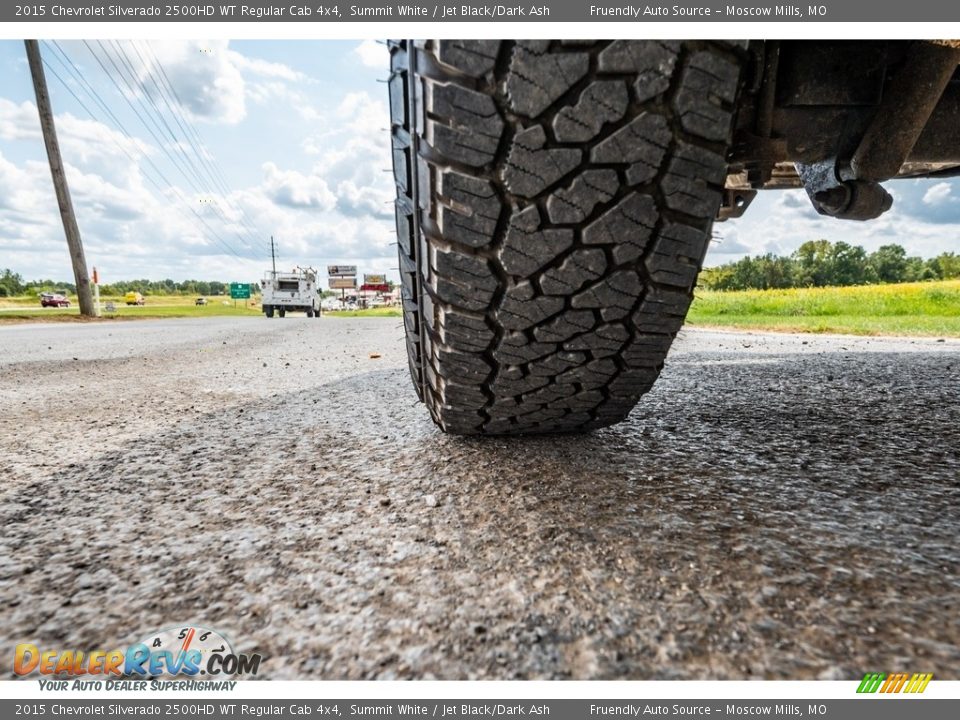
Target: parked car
pixel 200 301
pixel 133 298
pixel 53 300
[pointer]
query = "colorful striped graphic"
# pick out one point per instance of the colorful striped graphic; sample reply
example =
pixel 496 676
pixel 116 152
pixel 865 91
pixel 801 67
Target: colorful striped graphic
pixel 895 683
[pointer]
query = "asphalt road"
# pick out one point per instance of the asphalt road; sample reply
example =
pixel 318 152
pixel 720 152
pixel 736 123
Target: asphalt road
pixel 779 507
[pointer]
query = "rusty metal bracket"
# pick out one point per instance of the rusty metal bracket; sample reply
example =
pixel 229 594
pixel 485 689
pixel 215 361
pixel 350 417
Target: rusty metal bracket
pixel 735 203
pixel 852 199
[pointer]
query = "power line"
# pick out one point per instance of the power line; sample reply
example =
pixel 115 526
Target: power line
pixel 202 152
pixel 153 133
pixel 178 144
pixel 68 64
pixel 197 168
pixel 153 128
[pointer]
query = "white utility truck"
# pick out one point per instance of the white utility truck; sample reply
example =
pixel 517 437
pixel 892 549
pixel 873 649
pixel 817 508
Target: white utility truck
pixel 296 290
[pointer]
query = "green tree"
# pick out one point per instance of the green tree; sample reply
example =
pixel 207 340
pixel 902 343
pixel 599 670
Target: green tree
pixel 847 265
pixel 11 283
pixel 889 263
pixel 946 265
pixel 812 263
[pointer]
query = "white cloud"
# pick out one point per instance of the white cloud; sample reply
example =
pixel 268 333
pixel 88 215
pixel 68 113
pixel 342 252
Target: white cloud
pixel 84 141
pixel 265 68
pixel 937 194
pixel 205 75
pixel 373 54
pixel 294 189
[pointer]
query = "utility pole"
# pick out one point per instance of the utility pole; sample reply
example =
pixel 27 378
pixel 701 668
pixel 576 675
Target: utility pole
pixel 60 180
pixel 273 257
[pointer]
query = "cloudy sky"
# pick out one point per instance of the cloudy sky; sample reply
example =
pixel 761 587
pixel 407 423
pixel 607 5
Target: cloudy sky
pixel 293 141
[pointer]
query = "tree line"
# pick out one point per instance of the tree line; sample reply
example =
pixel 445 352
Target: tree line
pixel 12 285
pixel 820 263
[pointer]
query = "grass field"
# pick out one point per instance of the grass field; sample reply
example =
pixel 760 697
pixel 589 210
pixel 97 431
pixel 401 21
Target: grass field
pixel 157 306
pixel 371 312
pixel 928 308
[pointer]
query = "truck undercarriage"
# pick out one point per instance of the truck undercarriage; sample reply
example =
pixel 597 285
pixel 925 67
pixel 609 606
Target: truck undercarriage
pixel 839 117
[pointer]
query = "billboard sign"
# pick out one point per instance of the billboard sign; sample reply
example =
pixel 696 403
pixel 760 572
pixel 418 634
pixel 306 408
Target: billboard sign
pixel 374 279
pixel 343 283
pixel 342 270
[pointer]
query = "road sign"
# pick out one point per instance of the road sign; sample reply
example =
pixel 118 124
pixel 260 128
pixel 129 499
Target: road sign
pixel 343 283
pixel 374 279
pixel 342 270
pixel 240 291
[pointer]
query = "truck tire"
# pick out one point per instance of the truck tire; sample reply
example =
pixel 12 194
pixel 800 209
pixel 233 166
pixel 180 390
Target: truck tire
pixel 282 312
pixel 554 204
pixel 310 312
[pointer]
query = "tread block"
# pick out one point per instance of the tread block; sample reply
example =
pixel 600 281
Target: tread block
pixel 605 341
pixel 662 311
pixel 526 248
pixel 709 82
pixel 397 89
pixel 472 128
pixel 653 62
pixel 548 393
pixel 630 384
pixel 538 77
pixel 595 374
pixel 471 270
pixel 503 407
pixel 539 417
pixel 584 400
pixel 642 143
pixel 580 267
pixel 574 203
pixel 521 308
pixel 462 280
pixel 556 363
pixel 626 227
pixel 505 386
pixel 471 57
pixel 515 348
pixel 461 365
pixel 676 255
pixel 463 331
pixel 693 180
pixel 455 420
pixel 602 102
pixel 469 209
pixel 500 426
pixel 565 326
pixel 615 295
pixel 462 396
pixel 404 219
pixel 530 169
pixel 647 351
